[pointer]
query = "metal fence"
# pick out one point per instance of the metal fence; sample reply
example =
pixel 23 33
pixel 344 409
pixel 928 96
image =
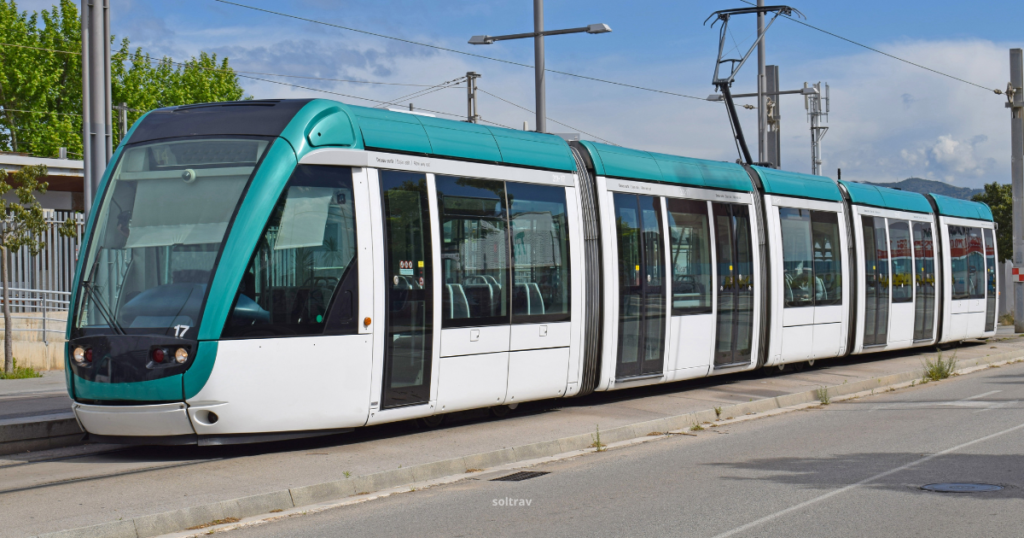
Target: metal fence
pixel 40 285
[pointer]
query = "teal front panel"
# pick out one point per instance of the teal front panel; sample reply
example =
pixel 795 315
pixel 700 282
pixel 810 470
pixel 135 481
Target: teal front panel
pixel 469 141
pixel 165 389
pixel 252 216
pixel 798 185
pixel 394 131
pixel 202 366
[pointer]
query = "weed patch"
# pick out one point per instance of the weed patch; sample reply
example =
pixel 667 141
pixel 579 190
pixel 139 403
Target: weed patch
pixel 214 522
pixel 823 396
pixel 940 368
pixel 697 428
pixel 19 372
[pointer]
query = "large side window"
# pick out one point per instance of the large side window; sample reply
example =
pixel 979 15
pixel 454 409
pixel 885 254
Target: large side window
pixel 958 261
pixel 975 264
pixel 474 251
pixel 828 259
pixel 902 263
pixel 924 281
pixel 302 278
pixel 540 253
pixel 990 286
pixel 811 258
pixel 690 256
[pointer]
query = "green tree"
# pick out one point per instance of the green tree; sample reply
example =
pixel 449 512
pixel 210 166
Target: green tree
pixel 41 80
pixel 1000 200
pixel 23 227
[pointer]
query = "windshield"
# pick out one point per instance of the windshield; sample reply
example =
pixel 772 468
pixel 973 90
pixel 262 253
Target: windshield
pixel 159 230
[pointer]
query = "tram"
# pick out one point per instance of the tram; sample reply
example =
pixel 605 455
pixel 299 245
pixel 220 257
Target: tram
pixel 276 269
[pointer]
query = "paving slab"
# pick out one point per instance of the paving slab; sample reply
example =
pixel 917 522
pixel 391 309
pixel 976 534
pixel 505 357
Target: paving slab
pixel 160 486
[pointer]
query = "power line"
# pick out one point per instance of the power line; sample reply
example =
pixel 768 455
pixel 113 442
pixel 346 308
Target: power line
pixel 555 121
pixel 894 57
pixel 437 87
pixel 493 59
pixel 229 70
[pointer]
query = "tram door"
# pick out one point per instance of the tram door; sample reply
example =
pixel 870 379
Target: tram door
pixel 876 286
pixel 642 302
pixel 734 249
pixel 408 323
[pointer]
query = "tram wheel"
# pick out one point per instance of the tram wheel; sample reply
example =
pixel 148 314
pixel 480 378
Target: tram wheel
pixel 810 364
pixel 500 411
pixel 799 366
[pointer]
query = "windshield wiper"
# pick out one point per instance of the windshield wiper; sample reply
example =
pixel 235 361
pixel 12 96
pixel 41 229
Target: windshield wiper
pixel 101 307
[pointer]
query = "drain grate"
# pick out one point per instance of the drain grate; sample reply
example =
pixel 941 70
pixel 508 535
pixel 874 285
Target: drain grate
pixel 960 487
pixel 520 476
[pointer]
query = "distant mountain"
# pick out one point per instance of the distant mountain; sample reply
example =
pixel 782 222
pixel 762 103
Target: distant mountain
pixel 928 186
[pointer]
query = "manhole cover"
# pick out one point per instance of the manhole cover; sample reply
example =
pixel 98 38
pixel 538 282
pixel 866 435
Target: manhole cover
pixel 959 487
pixel 520 476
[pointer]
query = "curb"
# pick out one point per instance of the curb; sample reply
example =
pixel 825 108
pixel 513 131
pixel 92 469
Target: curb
pixel 39 433
pixel 318 494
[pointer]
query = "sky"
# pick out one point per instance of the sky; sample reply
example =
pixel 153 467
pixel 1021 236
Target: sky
pixel 889 120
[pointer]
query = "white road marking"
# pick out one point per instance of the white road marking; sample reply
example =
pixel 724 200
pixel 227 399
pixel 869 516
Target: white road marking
pixel 966 402
pixel 833 493
pixel 982 395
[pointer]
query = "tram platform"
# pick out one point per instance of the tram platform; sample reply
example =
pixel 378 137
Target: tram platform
pixel 151 491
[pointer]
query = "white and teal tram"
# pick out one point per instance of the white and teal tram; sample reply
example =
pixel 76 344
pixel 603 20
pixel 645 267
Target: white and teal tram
pixel 275 269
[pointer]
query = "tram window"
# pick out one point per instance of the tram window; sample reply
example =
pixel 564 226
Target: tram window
pixel 924 281
pixel 811 258
pixel 474 251
pixel 975 264
pixel 958 261
pixel 690 256
pixel 797 272
pixel 990 285
pixel 902 263
pixel 306 253
pixel 828 258
pixel 540 253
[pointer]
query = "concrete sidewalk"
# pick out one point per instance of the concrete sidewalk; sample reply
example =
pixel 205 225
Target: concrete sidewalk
pixel 146 491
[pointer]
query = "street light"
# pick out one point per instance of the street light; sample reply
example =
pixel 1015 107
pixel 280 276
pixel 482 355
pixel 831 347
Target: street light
pixel 538 51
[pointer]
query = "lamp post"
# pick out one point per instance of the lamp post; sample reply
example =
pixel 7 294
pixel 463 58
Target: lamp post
pixel 538 51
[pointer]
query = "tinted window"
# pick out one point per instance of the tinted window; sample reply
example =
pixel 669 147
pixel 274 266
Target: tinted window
pixel 924 281
pixel 828 259
pixel 690 256
pixel 990 287
pixel 302 276
pixel 540 253
pixel 958 261
pixel 902 262
pixel 811 258
pixel 975 264
pixel 474 251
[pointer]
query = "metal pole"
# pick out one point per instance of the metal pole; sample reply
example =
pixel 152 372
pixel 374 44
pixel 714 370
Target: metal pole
pixel 96 106
pixel 472 115
pixel 122 121
pixel 762 119
pixel 1017 178
pixel 538 60
pixel 774 135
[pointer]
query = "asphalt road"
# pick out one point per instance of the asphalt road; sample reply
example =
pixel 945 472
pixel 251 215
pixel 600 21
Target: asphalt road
pixel 847 469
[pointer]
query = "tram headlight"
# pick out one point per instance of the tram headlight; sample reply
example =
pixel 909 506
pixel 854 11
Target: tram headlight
pixel 181 355
pixel 79 355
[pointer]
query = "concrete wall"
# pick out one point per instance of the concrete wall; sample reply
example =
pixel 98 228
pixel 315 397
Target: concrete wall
pixel 30 347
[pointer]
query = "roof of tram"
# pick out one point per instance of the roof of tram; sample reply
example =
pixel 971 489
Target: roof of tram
pixel 625 163
pixel 884 197
pixel 955 207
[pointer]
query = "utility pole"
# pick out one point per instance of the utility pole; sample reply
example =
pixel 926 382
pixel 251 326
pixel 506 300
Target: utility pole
pixel 1015 102
pixel 762 118
pixel 818 108
pixel 773 116
pixel 96 131
pixel 538 62
pixel 472 113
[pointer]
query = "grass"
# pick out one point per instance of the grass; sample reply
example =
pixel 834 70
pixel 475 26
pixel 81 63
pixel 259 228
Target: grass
pixel 823 396
pixel 20 372
pixel 939 368
pixel 597 441
pixel 697 428
pixel 347 474
pixel 718 412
